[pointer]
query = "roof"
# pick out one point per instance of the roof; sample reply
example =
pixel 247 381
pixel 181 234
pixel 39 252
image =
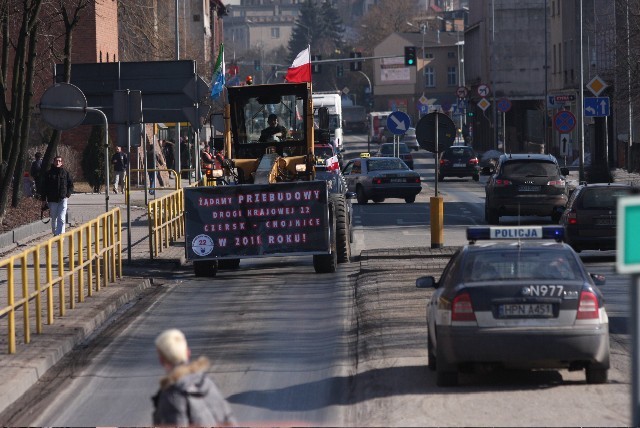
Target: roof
pixel 532 156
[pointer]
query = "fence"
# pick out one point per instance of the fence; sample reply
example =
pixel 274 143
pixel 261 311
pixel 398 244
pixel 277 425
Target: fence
pixel 76 264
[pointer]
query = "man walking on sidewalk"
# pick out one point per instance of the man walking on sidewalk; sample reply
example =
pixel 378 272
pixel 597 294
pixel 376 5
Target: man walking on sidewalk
pixel 120 163
pixel 57 188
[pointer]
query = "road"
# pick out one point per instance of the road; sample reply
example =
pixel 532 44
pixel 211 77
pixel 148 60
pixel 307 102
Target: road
pixel 290 347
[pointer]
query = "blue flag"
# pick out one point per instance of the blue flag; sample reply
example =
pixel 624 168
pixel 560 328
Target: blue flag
pixel 218 75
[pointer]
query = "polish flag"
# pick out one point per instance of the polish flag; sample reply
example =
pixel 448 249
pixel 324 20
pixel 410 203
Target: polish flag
pixel 332 163
pixel 300 70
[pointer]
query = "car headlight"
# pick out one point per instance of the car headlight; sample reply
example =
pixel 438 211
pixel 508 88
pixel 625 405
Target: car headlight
pixel 301 167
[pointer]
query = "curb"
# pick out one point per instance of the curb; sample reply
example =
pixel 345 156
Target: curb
pixel 22 370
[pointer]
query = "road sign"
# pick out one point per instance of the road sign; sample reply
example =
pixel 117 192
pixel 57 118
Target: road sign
pixel 63 106
pixel 197 89
pixel 483 90
pixel 559 100
pixel 197 115
pixel 462 92
pixel 504 105
pixel 398 122
pixel 627 243
pixel 596 85
pixel 423 99
pixel 484 104
pixel 565 143
pixel 564 121
pixel 597 107
pixel 426 131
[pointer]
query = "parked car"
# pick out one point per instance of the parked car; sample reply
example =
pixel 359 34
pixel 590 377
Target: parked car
pixel 526 184
pixel 378 178
pixel 410 139
pixel 458 161
pixel 526 306
pixel 589 219
pixel 403 152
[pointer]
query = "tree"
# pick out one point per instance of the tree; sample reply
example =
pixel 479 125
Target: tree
pixel 306 30
pixel 318 26
pixel 384 19
pixel 331 40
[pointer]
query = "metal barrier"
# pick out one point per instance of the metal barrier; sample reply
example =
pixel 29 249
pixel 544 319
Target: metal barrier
pixel 76 263
pixel 176 178
pixel 166 221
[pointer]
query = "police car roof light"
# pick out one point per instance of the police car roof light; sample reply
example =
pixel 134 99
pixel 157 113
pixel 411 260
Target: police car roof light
pixel 515 233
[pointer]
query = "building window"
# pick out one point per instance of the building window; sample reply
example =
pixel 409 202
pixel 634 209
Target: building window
pixel 275 32
pixel 451 54
pixel 100 56
pixel 428 55
pixel 429 77
pixel 452 76
pixel 196 18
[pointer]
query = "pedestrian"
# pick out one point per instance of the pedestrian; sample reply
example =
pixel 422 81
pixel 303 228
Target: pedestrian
pixel 206 159
pixel 169 157
pixel 185 157
pixel 187 395
pixel 34 172
pixel 120 163
pixel 57 188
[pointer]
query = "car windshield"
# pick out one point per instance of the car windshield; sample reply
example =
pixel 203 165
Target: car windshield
pixel 530 169
pixel 386 164
pixel 526 264
pixel 603 197
pixel 387 149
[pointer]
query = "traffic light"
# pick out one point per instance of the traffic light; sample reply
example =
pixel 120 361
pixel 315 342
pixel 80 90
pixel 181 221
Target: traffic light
pixel 469 113
pixel 410 56
pixel 355 65
pixel 249 81
pixel 339 70
pixel 316 68
pixel 257 65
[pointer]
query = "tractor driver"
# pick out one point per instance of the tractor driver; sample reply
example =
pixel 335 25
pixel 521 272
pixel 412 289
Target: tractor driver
pixel 273 130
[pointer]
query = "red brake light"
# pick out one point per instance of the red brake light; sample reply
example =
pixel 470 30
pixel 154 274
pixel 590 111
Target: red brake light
pixel 473 161
pixel 444 161
pixel 572 217
pixel 461 308
pixel 500 182
pixel 557 183
pixel 588 306
pixel 377 180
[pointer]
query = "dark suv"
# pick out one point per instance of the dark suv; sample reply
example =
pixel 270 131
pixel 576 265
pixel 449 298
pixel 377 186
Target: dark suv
pixel 590 218
pixel 526 184
pixel 459 161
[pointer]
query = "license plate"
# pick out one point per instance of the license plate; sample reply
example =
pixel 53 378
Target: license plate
pixel 529 188
pixel 397 180
pixel 525 310
pixel 459 165
pixel 606 221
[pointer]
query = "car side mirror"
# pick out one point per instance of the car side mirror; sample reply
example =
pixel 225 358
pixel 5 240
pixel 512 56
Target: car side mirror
pixel 564 171
pixel 426 282
pixel 350 195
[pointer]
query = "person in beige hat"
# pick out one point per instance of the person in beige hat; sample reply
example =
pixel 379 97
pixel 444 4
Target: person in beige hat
pixel 187 395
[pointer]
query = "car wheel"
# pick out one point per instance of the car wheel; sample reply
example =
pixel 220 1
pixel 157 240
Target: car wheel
pixel 378 200
pixel 440 177
pixel 432 358
pixel 445 375
pixel 360 196
pixel 410 199
pixel 342 228
pixel 492 215
pixel 596 375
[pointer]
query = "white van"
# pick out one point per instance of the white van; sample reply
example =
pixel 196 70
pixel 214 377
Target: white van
pixel 333 102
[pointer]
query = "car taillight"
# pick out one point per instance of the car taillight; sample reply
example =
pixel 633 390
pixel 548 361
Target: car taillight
pixel 588 306
pixel 415 180
pixel 501 183
pixel 473 161
pixel 461 308
pixel 377 181
pixel 444 162
pixel 572 217
pixel 556 183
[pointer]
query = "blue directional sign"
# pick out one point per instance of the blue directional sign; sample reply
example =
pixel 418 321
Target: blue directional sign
pixel 398 122
pixel 597 107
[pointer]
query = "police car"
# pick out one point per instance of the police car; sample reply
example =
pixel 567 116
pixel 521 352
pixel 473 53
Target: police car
pixel 516 297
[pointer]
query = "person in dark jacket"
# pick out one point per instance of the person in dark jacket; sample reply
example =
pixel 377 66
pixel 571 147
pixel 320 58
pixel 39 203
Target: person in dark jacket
pixel 187 395
pixel 57 188
pixel 120 163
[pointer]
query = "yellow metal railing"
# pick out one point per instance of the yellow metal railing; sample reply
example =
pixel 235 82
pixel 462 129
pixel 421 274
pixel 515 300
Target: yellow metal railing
pixel 76 264
pixel 166 221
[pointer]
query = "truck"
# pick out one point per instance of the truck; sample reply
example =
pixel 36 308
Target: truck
pixel 354 118
pixel 333 102
pixel 266 199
